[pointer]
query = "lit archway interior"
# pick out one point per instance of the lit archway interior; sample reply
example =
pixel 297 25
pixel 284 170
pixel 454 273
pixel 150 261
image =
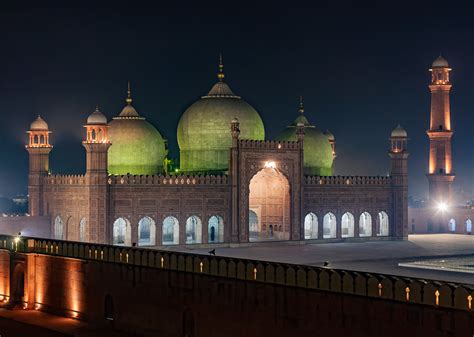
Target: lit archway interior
pixel 269 206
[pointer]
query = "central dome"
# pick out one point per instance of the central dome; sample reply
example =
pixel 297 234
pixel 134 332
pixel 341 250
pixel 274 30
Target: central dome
pixel 137 146
pixel 317 150
pixel 204 136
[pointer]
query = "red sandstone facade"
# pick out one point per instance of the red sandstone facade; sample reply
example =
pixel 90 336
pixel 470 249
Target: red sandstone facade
pixel 85 207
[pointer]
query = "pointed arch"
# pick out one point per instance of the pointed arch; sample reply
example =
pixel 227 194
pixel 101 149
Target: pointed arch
pixel 383 228
pixel 347 225
pixel 329 226
pixel 469 226
pixel 365 224
pixel 122 232
pixel 82 229
pixel 58 228
pixel 146 232
pixel 310 226
pixel 452 225
pixel 170 231
pixel 215 229
pixel 193 230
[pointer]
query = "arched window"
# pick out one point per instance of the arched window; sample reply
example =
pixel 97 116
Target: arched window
pixel 41 140
pixel 253 222
pixel 36 139
pixel 347 225
pixel 170 231
pixel 58 228
pixel 93 136
pixel 193 230
pixel 215 229
pixel 468 226
pixel 82 230
pixel 146 232
pixel 310 226
pixel 452 225
pixel 108 308
pixel 329 226
pixel 365 224
pixel 122 232
pixel 383 224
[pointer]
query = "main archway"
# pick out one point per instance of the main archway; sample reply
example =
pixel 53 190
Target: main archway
pixel 269 206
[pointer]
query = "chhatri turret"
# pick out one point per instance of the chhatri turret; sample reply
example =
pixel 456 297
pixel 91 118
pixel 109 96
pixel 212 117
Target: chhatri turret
pixel 38 148
pixel 96 143
pixel 440 171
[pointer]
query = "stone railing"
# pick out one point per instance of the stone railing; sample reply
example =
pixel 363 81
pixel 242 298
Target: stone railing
pixel 389 287
pixel 347 180
pixel 268 144
pixel 69 179
pixel 168 180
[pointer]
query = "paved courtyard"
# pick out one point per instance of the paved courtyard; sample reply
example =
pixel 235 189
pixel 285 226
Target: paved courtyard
pixel 375 256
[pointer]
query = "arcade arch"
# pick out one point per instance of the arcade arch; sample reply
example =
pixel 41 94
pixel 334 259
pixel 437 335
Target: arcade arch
pixel 269 206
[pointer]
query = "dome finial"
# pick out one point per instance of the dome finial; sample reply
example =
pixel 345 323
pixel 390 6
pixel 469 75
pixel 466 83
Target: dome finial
pixel 129 95
pixel 97 107
pixel 301 108
pixel 221 75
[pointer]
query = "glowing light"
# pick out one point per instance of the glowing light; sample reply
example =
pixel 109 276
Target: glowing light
pixel 270 164
pixel 407 290
pixel 437 297
pixel 442 206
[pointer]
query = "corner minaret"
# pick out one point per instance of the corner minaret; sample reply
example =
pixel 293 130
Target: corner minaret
pixel 38 148
pixel 399 181
pixel 97 145
pixel 440 172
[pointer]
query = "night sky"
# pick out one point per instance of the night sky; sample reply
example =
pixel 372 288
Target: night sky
pixel 362 70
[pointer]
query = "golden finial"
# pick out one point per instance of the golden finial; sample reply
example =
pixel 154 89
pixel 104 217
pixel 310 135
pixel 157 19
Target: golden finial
pixel 301 108
pixel 97 107
pixel 221 75
pixel 129 95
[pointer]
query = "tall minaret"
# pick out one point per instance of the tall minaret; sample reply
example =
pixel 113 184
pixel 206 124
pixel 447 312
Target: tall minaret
pixel 97 145
pixel 440 173
pixel 39 148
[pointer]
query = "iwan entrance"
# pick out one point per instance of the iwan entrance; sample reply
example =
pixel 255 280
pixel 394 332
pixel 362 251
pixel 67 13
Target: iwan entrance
pixel 269 206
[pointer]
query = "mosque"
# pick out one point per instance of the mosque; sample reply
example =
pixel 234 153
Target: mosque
pixel 232 186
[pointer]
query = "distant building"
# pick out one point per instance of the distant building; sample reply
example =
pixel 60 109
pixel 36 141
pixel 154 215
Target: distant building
pixel 232 186
pixel 442 213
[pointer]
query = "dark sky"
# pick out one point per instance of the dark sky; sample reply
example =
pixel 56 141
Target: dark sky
pixel 361 69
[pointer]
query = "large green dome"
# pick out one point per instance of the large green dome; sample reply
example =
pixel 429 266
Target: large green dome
pixel 204 136
pixel 137 146
pixel 317 151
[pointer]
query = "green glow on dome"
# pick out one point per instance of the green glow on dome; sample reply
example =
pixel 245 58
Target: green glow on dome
pixel 204 136
pixel 318 158
pixel 137 146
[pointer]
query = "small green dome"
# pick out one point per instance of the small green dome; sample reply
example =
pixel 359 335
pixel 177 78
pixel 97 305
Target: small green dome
pixel 137 146
pixel 204 136
pixel 317 150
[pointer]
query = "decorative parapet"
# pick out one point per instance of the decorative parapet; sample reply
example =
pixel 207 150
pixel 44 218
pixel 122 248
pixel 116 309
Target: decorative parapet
pixel 168 180
pixel 347 180
pixel 389 287
pixel 70 179
pixel 268 144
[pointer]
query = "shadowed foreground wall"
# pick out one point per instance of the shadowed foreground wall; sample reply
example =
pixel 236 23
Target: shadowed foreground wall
pixel 162 302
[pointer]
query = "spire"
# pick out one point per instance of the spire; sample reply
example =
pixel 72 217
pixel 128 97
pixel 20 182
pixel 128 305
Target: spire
pixel 97 108
pixel 220 74
pixel 301 108
pixel 129 95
